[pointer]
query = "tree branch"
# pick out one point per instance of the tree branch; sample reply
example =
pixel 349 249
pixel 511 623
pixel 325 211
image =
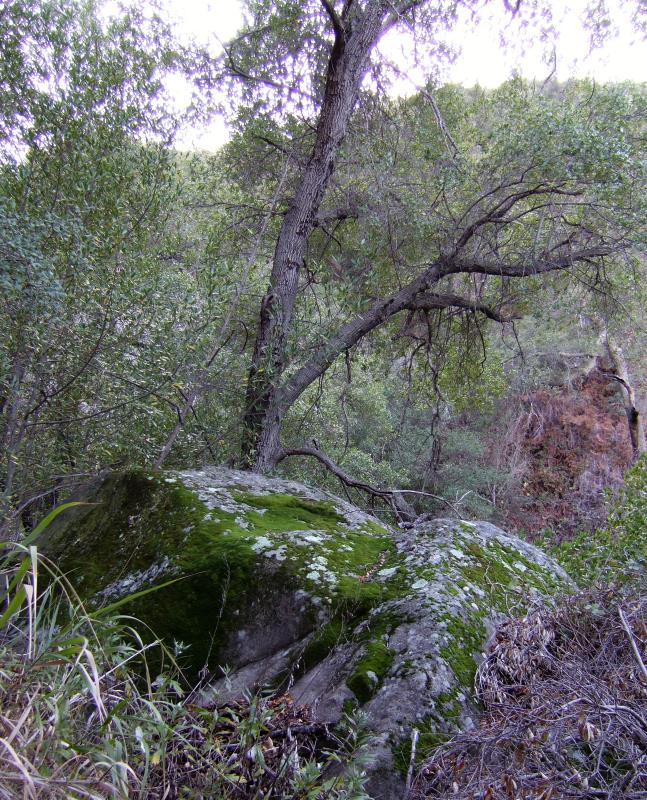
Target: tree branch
pixel 337 471
pixel 337 22
pixel 386 495
pixel 240 73
pixel 537 266
pixel 496 214
pixel 276 145
pixel 351 333
pixel 335 215
pixel 345 12
pixel 428 302
pixel 399 10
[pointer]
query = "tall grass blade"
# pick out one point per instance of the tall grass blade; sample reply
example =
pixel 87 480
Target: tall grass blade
pixel 122 602
pixel 31 537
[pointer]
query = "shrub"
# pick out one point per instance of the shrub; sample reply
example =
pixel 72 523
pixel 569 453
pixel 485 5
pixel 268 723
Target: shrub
pixel 618 552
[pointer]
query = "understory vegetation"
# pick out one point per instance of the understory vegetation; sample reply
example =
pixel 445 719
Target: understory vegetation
pixel 83 715
pixel 564 698
pixel 564 691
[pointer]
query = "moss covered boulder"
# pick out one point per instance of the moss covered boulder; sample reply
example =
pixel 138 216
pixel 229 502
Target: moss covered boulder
pixel 287 585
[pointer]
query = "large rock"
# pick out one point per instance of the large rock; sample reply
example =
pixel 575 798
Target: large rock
pixel 287 585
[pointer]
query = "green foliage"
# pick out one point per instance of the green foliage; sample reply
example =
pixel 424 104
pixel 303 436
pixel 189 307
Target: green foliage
pixel 130 274
pixel 98 313
pixel 617 553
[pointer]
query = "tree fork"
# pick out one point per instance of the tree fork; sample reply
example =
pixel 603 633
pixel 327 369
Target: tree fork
pixel 347 64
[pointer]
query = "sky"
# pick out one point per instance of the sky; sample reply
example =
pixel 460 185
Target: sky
pixel 481 60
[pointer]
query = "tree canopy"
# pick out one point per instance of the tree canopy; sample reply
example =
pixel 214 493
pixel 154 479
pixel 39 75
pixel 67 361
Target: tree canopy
pixel 343 281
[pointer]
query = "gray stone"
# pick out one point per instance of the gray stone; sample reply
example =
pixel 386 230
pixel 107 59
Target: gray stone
pixel 287 586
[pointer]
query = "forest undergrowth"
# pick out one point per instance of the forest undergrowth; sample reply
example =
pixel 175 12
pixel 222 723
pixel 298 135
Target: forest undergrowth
pixel 83 714
pixel 564 697
pixel 562 693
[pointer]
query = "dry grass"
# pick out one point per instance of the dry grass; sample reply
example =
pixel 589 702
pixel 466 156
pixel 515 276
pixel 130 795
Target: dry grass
pixel 81 716
pixel 565 700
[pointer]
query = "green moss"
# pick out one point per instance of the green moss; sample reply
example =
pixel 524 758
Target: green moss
pixel 486 569
pixel 464 640
pixel 370 672
pixel 372 527
pixel 429 739
pixel 499 571
pixel 434 730
pixel 140 521
pixel 323 641
pixel 349 707
pixel 349 554
pixel 448 703
pixel 284 512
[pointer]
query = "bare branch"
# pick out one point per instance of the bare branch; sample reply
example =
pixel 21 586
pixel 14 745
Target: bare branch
pixel 314 452
pixel 498 211
pixel 449 139
pixel 429 302
pixel 539 265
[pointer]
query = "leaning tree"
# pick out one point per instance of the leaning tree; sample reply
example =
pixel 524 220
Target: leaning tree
pixel 468 195
pixel 553 185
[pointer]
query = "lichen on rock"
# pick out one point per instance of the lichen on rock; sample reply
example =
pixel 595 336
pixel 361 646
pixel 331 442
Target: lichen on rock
pixel 291 586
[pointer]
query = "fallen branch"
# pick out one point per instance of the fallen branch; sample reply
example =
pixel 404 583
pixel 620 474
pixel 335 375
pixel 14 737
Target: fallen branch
pixel 415 734
pixel 632 641
pixel 403 512
pixel 387 496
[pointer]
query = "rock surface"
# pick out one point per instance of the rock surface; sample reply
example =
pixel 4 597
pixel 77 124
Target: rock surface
pixel 290 586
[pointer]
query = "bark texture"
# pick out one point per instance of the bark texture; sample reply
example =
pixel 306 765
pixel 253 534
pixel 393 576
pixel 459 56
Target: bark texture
pixel 634 419
pixel 356 34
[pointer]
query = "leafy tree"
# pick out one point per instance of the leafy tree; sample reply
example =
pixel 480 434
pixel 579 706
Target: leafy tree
pixel 86 181
pixel 389 230
pixel 527 191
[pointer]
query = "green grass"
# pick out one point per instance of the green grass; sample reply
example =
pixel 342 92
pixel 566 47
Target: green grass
pixel 84 715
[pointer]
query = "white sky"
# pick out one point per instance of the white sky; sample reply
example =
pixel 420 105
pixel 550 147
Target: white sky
pixel 482 60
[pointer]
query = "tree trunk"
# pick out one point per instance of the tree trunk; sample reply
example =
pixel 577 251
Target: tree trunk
pixel 634 420
pixel 347 66
pixel 269 450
